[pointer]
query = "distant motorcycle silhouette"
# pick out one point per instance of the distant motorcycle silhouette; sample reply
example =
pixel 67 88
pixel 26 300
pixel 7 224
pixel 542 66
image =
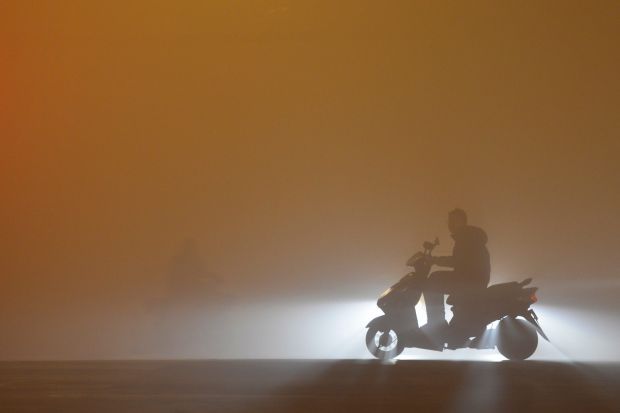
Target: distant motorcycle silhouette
pixel 516 335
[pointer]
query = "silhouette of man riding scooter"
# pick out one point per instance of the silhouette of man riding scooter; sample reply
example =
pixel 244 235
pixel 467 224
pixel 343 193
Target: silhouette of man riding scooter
pixel 475 307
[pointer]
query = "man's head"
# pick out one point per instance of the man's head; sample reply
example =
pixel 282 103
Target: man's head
pixel 457 218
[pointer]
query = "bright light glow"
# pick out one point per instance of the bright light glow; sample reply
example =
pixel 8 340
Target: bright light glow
pixel 328 330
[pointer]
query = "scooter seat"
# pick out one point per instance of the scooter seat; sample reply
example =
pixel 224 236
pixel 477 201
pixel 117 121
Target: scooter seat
pixel 492 292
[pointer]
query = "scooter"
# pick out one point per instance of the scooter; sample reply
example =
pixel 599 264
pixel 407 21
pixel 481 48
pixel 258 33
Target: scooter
pixel 515 336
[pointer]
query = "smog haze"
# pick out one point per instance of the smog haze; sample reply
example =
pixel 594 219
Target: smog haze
pixel 243 179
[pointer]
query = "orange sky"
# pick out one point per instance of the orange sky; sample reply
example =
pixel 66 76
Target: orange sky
pixel 307 146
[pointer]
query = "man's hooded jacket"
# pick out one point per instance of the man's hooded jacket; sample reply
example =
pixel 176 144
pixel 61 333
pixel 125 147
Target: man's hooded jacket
pixel 470 257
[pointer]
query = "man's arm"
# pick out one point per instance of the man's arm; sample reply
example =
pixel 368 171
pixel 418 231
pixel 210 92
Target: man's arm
pixel 445 261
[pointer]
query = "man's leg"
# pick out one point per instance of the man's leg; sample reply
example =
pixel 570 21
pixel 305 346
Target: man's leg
pixel 467 321
pixel 438 284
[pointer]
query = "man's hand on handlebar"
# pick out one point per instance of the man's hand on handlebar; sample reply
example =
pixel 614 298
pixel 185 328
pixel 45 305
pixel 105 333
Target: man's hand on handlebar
pixel 430 260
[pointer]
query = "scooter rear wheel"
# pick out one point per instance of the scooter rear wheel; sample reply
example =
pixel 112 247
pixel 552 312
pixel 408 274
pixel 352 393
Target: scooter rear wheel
pixel 383 344
pixel 517 339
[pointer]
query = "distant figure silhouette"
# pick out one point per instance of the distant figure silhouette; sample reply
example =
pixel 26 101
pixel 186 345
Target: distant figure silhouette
pixel 472 269
pixel 188 280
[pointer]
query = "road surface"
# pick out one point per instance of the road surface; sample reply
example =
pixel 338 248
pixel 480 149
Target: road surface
pixel 307 386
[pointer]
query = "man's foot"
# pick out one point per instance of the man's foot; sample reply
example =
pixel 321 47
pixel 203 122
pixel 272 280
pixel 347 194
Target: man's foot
pixel 457 337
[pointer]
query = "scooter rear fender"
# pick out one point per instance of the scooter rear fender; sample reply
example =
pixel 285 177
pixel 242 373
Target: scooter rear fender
pixel 533 318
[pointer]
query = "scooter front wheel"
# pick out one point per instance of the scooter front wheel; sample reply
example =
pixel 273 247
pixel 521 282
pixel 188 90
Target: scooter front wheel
pixel 383 344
